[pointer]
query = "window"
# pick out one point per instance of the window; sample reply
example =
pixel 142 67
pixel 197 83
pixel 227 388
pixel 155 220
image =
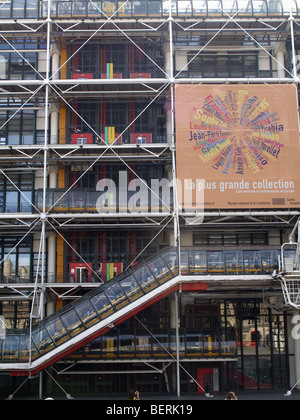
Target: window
pixel 16 267
pixel 20 128
pixel 223 64
pixel 11 200
pixel 230 239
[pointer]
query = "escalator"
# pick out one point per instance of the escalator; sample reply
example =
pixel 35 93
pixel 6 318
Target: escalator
pixel 26 353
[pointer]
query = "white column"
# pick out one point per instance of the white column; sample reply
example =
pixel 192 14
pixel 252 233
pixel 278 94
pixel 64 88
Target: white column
pixel 280 52
pixel 54 123
pixel 55 54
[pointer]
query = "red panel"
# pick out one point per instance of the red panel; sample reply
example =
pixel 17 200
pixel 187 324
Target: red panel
pixel 201 287
pixel 87 136
pixel 140 75
pixel 82 76
pixel 73 271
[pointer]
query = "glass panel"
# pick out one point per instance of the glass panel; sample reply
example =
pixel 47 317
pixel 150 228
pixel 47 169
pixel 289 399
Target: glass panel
pixel 245 7
pixel 110 346
pixel 194 345
pixel 143 346
pixel 229 6
pixel 275 7
pixel 160 270
pixel 87 313
pixel 184 262
pixel 139 7
pixel 25 205
pixel 126 345
pixel 184 8
pixel 12 202
pixel 57 331
pixel 77 200
pixel 31 9
pixel 24 348
pixel 9 267
pixel 18 9
pixel 131 287
pixel 102 305
pixel 171 258
pixel 182 345
pixel 215 262
pixel 252 262
pixel 289 255
pixel 197 262
pixel 124 8
pixel 42 340
pixel 234 262
pixel 79 8
pixel 116 295
pixel 61 204
pixel 161 345
pixel 214 7
pixel 199 7
pixel 10 348
pixel 145 278
pixel 5 9
pixel 64 8
pixel 72 322
pixel 211 345
pixel 269 260
pixel 154 8
pixel 259 7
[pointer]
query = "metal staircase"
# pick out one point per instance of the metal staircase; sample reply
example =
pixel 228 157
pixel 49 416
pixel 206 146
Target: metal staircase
pixel 27 352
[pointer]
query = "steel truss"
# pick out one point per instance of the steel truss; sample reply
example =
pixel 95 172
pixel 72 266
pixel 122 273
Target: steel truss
pixel 46 89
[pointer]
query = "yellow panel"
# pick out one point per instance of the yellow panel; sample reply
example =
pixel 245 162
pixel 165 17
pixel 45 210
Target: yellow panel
pixel 63 58
pixel 61 177
pixel 62 123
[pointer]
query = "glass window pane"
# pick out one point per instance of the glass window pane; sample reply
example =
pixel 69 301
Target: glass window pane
pixel 126 345
pixel 102 305
pixel 131 288
pixel 87 313
pixel 160 270
pixel 116 295
pixel 72 322
pixel 10 348
pixel 197 261
pixel 269 260
pixel 171 258
pixel 12 202
pixel 145 278
pixel 42 339
pixel 194 345
pixel 24 348
pixel 234 262
pixel 215 262
pixel 25 205
pixel 57 331
pixel 252 262
pixel 24 268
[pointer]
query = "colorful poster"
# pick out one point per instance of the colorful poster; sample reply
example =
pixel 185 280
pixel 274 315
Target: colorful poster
pixel 239 144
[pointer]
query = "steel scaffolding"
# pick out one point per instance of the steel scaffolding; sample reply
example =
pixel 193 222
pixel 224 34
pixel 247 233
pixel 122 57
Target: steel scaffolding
pixel 200 26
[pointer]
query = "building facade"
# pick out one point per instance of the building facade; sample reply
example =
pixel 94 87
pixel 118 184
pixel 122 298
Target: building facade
pixel 89 163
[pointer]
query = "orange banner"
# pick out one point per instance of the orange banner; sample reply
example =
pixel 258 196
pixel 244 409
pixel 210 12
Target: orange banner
pixel 239 144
